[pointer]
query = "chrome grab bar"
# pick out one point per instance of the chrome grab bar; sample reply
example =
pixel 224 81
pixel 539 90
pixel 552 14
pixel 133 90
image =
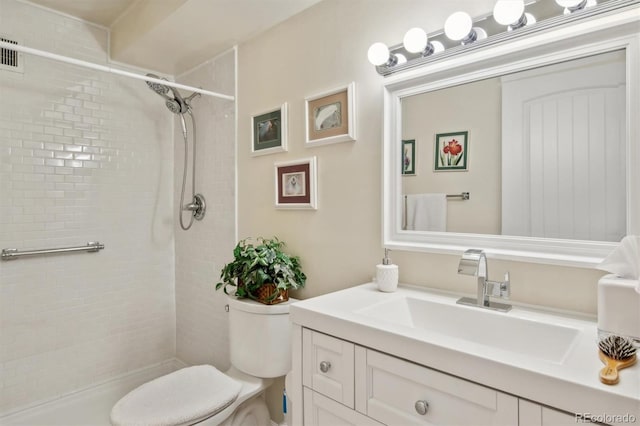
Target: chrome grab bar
pixel 12 253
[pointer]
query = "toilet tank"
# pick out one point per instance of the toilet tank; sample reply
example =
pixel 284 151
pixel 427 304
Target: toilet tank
pixel 260 337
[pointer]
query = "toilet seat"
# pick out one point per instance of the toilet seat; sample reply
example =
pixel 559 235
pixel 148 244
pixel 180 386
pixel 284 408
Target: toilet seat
pixel 184 397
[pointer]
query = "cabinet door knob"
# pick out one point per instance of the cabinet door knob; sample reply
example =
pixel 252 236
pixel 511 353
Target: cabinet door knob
pixel 422 407
pixel 325 366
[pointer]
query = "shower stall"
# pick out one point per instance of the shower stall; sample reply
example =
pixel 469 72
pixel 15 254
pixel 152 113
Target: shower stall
pixel 86 156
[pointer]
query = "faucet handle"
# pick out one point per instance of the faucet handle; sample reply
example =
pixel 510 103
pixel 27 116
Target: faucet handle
pixel 500 289
pixel 505 286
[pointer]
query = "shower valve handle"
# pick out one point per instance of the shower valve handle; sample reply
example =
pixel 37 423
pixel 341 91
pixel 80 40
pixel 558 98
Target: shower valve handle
pixel 198 207
pixel 191 207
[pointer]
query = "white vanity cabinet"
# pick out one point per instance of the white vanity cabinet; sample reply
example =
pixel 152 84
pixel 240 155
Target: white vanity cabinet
pixel 347 384
pixel 364 357
pixel 322 411
pixel 532 414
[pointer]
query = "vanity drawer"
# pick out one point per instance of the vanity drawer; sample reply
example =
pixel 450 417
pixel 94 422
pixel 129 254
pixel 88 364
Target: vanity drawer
pixel 322 411
pixel 399 392
pixel 327 366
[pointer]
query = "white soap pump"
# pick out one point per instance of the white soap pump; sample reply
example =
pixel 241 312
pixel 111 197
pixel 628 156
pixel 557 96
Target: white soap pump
pixel 387 274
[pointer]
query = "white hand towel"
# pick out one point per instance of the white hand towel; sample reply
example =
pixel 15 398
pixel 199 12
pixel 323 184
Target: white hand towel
pixel 427 212
pixel 624 261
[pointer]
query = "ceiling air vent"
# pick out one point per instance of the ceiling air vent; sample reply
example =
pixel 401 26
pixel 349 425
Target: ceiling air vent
pixel 10 59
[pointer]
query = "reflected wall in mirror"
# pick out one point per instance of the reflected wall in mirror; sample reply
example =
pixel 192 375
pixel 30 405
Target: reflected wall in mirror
pixel 546 152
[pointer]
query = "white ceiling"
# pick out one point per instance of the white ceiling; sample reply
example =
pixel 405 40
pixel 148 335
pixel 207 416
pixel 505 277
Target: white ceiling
pixel 173 36
pixel 102 12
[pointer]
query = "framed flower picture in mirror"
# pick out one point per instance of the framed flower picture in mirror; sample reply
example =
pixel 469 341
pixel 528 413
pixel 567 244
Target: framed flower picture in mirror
pixel 451 151
pixel 409 157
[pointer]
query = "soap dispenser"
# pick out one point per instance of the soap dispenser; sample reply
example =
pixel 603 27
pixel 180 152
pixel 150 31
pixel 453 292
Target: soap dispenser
pixel 387 274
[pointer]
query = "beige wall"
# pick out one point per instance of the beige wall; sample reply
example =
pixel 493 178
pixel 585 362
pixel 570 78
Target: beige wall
pixel 340 243
pixel 475 108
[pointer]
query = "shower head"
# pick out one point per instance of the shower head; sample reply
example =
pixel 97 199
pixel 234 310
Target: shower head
pixel 177 104
pixel 159 88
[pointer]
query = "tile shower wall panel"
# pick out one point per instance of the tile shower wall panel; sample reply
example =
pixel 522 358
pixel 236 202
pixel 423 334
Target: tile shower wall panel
pixel 200 252
pixel 83 156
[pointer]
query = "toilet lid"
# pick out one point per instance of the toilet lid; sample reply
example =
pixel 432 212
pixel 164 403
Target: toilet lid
pixel 183 397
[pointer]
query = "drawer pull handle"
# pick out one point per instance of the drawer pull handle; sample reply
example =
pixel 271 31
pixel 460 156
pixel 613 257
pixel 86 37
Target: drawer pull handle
pixel 325 366
pixel 422 407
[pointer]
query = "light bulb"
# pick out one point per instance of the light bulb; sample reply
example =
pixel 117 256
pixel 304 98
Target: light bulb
pixel 437 47
pixel 481 34
pixel 458 25
pixel 530 18
pixel 378 54
pixel 507 12
pixel 415 40
pixel 569 3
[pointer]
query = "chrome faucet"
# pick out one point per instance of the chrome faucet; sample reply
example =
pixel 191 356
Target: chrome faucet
pixel 474 263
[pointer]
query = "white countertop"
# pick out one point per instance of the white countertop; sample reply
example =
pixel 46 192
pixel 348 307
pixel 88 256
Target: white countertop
pixel 571 384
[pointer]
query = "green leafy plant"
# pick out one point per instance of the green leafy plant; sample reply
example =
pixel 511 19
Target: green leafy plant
pixel 258 262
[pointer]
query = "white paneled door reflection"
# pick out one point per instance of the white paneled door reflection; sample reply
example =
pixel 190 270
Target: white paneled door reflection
pixel 564 150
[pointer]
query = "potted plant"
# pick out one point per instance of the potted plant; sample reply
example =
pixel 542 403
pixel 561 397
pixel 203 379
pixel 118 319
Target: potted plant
pixel 262 271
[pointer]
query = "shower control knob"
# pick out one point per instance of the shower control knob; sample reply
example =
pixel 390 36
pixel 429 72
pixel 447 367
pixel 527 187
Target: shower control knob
pixel 422 407
pixel 325 366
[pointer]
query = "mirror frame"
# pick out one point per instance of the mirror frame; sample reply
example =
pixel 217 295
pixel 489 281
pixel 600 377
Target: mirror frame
pixel 601 33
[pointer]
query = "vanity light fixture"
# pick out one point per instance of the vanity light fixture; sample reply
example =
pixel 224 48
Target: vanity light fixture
pixel 416 41
pixel 461 33
pixel 511 13
pixel 459 27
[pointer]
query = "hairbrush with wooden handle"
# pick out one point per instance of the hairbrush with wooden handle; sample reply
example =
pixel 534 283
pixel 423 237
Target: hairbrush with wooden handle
pixel 616 353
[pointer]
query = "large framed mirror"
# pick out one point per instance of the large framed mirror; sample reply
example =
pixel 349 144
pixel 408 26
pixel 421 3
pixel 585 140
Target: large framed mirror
pixel 528 149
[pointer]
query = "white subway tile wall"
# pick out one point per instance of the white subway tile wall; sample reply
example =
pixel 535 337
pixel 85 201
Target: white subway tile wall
pixel 83 156
pixel 202 335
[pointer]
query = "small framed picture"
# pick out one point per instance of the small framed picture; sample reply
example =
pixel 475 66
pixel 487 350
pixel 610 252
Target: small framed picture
pixel 331 116
pixel 451 151
pixel 409 157
pixel 296 184
pixel 269 131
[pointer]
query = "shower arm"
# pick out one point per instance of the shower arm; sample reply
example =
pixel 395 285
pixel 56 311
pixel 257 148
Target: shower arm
pixel 191 97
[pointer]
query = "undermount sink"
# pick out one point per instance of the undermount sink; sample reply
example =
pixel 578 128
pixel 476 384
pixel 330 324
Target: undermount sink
pixel 533 338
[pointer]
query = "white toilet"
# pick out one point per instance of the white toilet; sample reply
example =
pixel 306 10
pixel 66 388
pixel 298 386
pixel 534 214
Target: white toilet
pixel 260 349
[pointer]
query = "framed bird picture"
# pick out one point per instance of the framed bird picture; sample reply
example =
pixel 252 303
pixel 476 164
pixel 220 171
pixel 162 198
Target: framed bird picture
pixel 331 116
pixel 269 131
